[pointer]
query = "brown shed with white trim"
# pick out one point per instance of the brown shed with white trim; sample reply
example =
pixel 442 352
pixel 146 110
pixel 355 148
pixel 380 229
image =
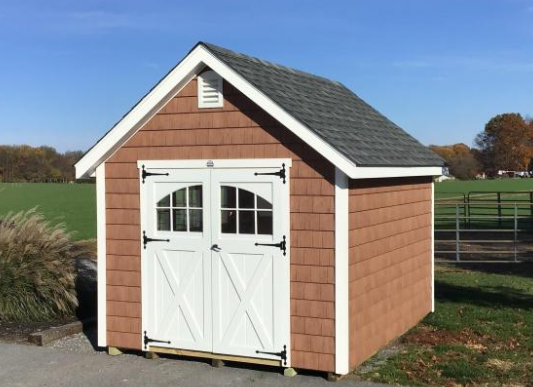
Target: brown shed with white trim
pixel 252 212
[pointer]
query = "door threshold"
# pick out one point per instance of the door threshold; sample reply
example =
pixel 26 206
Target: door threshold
pixel 209 355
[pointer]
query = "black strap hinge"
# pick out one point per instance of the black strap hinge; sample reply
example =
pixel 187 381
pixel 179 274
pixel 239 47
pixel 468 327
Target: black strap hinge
pixel 146 239
pixel 148 340
pixel 282 354
pixel 281 173
pixel 281 245
pixel 145 174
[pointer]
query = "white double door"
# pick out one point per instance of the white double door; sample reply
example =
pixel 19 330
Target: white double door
pixel 216 277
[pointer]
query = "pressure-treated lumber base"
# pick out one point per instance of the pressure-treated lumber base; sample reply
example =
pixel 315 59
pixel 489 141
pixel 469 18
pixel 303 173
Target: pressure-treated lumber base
pixel 214 356
pixel 114 351
pixel 151 355
pixel 290 372
pixel 333 377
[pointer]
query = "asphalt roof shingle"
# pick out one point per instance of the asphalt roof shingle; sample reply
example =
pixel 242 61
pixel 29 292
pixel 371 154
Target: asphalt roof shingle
pixel 333 112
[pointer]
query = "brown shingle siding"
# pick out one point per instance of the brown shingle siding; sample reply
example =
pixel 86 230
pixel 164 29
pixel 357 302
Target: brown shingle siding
pixel 389 258
pixel 238 130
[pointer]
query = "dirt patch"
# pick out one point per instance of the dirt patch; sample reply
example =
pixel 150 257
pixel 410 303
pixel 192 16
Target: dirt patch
pixel 431 337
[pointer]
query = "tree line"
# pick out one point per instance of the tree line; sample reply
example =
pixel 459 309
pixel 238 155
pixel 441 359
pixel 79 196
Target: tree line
pixel 506 143
pixel 24 163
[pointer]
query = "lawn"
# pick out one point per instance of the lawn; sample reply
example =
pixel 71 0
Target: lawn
pixel 481 333
pixel 447 188
pixel 71 204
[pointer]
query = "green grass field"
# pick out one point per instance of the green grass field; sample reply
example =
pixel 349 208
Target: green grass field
pixel 71 204
pixel 483 203
pixel 481 333
pixel 447 188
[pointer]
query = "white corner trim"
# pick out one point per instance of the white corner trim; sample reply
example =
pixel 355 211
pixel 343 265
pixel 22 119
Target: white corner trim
pixel 432 257
pixel 214 164
pixel 101 255
pixel 384 172
pixel 342 330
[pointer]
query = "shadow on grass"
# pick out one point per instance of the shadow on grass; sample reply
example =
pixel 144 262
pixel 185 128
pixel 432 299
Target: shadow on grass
pixel 521 269
pixel 485 296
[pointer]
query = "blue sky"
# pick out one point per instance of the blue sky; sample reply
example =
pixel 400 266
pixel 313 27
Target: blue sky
pixel 438 68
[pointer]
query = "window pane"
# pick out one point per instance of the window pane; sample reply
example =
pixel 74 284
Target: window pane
pixel 163 219
pixel 195 196
pixel 262 203
pixel 165 202
pixel 246 222
pixel 228 197
pixel 229 221
pixel 195 220
pixel 180 220
pixel 264 222
pixel 246 199
pixel 179 199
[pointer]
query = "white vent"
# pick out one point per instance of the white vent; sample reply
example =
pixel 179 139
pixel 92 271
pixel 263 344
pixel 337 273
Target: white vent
pixel 210 90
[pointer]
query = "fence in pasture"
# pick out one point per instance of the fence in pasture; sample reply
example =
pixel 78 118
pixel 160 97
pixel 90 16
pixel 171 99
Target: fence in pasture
pixel 483 225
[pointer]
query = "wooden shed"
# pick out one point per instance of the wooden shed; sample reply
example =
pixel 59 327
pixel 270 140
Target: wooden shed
pixel 252 212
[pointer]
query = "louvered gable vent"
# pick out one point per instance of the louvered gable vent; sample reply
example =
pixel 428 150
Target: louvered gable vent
pixel 210 90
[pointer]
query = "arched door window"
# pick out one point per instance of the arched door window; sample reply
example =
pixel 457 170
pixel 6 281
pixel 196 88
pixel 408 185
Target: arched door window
pixel 243 212
pixel 181 210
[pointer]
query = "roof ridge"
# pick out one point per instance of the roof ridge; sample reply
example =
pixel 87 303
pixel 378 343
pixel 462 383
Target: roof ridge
pixel 240 55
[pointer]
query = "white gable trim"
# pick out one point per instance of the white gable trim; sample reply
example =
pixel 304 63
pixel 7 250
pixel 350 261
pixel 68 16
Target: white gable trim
pixel 385 172
pixel 174 82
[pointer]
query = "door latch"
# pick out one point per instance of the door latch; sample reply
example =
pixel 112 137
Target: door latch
pixel 216 248
pixel 281 245
pixel 146 240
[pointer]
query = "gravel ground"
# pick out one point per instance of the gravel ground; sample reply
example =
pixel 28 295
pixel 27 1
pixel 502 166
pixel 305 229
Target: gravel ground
pixel 81 343
pixel 71 363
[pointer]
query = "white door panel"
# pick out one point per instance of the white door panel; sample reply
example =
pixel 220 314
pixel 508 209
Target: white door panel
pixel 216 277
pixel 249 315
pixel 177 287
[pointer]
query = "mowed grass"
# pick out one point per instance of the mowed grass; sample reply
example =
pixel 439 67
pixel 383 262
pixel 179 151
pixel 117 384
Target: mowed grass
pixel 483 202
pixel 446 188
pixel 481 333
pixel 71 204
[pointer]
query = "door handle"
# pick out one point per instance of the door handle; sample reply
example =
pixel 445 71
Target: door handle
pixel 215 248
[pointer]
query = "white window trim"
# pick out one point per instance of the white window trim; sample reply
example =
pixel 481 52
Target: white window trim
pixel 202 104
pixel 217 163
pixel 342 307
pixel 101 255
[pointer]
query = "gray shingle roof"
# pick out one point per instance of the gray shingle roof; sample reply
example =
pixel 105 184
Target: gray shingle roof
pixel 333 112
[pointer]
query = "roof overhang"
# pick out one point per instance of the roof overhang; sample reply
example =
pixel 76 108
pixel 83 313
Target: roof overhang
pixel 178 78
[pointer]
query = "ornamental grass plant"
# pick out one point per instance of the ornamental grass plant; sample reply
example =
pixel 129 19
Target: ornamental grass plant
pixel 37 271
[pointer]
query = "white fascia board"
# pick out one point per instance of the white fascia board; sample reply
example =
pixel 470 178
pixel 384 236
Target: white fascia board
pixel 171 85
pixel 342 307
pixel 154 101
pixel 101 255
pixel 214 164
pixel 276 111
pixel 386 172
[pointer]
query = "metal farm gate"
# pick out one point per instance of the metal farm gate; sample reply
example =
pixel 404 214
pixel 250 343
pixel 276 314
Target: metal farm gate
pixel 484 226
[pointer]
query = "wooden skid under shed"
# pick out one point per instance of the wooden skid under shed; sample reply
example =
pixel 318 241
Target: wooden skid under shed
pixel 208 355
